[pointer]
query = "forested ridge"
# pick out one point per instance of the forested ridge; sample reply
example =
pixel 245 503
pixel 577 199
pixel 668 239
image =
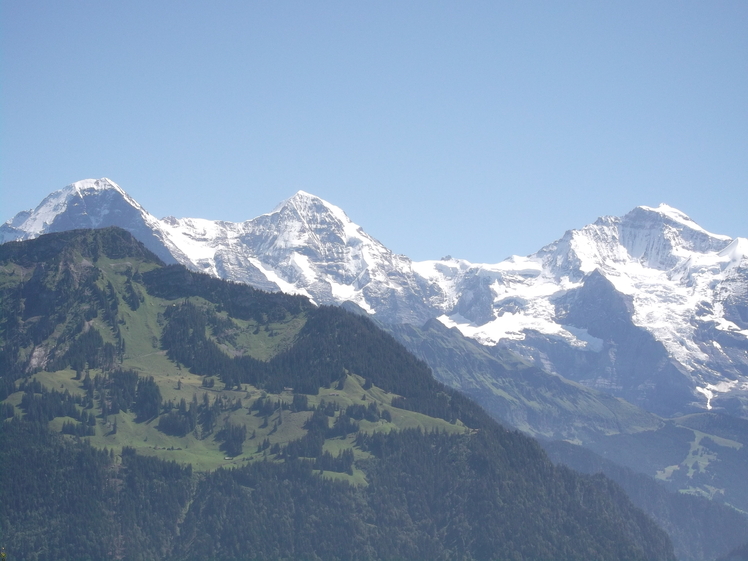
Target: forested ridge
pixel 315 402
pixel 430 496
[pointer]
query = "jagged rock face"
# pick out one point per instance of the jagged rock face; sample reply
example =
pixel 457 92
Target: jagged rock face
pixel 648 306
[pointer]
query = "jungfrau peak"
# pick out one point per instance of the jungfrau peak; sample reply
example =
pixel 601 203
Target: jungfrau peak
pixel 649 306
pixel 683 286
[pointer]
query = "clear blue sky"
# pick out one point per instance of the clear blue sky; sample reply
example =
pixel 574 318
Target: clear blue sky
pixel 476 129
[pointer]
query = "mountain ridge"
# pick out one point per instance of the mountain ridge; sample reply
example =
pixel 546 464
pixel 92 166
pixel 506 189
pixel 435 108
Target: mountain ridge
pixel 686 286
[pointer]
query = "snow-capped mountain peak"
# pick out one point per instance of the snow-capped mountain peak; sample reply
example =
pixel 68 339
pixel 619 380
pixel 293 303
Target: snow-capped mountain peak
pixel 90 203
pixel 102 184
pixel 676 215
pixel 307 246
pixel 682 284
pixel 79 198
pixel 309 219
pixel 300 200
pixel 40 218
pixel 663 236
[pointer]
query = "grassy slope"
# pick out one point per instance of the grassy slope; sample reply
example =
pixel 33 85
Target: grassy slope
pixel 141 330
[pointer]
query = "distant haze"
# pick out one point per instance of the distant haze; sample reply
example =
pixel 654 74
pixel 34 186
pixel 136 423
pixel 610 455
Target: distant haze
pixel 477 129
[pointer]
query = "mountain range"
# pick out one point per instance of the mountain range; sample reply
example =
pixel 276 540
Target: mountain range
pixel 648 307
pixel 628 336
